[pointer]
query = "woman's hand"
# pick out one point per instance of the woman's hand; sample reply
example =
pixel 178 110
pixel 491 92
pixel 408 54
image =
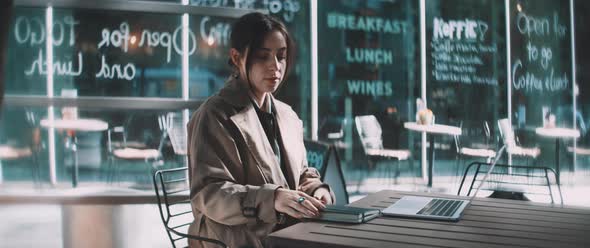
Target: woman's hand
pixel 323 194
pixel 288 202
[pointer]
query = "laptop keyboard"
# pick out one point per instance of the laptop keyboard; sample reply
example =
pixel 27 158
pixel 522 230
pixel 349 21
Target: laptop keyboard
pixel 440 207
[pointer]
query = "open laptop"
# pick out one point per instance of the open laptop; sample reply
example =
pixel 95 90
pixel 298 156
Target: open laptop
pixel 435 208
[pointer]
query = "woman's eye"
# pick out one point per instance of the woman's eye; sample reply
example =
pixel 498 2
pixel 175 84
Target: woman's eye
pixel 266 56
pixel 262 56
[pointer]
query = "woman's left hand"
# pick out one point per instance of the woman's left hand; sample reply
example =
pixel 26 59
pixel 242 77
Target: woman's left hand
pixel 323 194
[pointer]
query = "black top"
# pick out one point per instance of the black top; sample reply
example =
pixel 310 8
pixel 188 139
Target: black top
pixel 269 124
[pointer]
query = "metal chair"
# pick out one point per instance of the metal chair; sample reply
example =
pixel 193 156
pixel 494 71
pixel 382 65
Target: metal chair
pixel 511 182
pixel 177 133
pixel 124 151
pixel 369 131
pixel 172 192
pixel 511 142
pixel 332 131
pixel 481 150
pixel 30 149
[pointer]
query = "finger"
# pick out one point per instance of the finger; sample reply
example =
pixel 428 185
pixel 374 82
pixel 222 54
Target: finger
pixel 300 212
pixel 293 213
pixel 311 207
pixel 303 210
pixel 317 203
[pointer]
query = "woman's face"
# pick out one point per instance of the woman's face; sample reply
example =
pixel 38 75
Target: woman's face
pixel 269 63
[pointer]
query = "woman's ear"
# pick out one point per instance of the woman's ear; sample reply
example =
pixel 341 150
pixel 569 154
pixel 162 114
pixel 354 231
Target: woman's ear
pixel 235 56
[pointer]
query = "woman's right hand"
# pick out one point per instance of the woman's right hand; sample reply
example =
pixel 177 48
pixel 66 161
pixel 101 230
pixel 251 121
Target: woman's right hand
pixel 286 201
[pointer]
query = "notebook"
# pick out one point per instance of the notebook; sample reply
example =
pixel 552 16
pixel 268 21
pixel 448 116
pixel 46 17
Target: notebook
pixel 347 214
pixel 435 208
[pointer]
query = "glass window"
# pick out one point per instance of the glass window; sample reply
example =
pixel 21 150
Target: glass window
pixel 124 54
pixel 466 69
pixel 26 73
pixel 541 73
pixel 368 65
pixel 541 62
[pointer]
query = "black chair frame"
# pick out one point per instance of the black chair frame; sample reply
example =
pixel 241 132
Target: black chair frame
pixel 163 195
pixel 545 172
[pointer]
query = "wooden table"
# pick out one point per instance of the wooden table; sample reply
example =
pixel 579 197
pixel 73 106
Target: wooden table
pixel 557 133
pixel 86 125
pixel 432 129
pixel 486 223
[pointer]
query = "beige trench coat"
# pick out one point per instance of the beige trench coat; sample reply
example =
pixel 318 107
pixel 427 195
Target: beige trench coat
pixel 232 166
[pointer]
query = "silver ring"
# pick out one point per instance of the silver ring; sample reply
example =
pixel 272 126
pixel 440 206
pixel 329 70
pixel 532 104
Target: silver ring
pixel 301 200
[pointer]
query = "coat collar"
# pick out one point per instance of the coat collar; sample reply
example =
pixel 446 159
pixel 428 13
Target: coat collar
pixel 235 92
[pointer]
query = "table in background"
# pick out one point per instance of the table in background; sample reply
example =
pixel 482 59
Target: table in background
pixel 96 216
pixel 557 133
pixel 432 130
pixel 83 125
pixel 486 222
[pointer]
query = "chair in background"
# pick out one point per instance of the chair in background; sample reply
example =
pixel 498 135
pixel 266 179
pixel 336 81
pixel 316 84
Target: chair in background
pixel 476 150
pixel 177 133
pixel 511 182
pixel 30 149
pixel 369 131
pixel 512 147
pixel 332 131
pixel 172 193
pixel 152 157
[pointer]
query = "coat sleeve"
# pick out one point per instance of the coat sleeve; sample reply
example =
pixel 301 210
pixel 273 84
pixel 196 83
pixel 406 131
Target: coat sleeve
pixel 216 168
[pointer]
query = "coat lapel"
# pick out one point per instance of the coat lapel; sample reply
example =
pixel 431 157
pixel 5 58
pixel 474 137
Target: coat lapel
pixel 249 125
pixel 291 129
pixel 251 129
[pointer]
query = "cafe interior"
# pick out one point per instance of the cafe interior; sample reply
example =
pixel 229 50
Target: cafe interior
pixel 404 95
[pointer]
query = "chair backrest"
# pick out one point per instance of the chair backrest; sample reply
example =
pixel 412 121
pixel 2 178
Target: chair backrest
pixel 486 129
pixel 177 133
pixel 457 140
pixel 36 141
pixel 534 181
pixel 122 133
pixel 332 128
pixel 165 124
pixel 369 131
pixel 172 193
pixel 477 134
pixel 507 133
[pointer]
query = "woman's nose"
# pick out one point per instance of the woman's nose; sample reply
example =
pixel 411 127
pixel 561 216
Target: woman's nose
pixel 275 65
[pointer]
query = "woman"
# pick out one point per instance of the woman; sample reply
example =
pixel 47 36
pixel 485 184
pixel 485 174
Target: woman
pixel 248 170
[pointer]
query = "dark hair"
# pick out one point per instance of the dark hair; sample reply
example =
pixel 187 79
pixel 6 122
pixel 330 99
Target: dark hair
pixel 248 33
